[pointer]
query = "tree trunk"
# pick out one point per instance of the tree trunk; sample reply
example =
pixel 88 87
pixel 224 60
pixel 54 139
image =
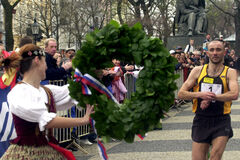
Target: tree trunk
pixel 119 11
pixel 237 29
pixel 8 11
pixel 8 28
pixel 147 22
pixel 137 10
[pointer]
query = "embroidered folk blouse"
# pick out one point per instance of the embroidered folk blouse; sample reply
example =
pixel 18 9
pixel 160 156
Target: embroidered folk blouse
pixel 29 103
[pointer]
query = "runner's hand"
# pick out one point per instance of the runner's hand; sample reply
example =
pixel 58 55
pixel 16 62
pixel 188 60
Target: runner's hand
pixel 204 104
pixel 210 96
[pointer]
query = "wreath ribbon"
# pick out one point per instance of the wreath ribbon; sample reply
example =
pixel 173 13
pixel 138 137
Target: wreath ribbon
pixel 101 148
pixel 87 80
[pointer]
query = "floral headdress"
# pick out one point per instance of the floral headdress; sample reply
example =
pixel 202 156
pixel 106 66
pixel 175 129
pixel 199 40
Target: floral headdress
pixel 33 53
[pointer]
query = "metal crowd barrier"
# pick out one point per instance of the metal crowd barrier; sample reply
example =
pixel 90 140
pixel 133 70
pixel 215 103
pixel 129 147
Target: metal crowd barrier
pixel 64 134
pixel 179 81
pixel 129 82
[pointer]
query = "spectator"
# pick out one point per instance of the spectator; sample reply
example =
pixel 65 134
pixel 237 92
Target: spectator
pixel 178 49
pixel 23 41
pixel 118 87
pixel 53 71
pixel 207 40
pixel 197 57
pixel 172 52
pixel 68 55
pixel 190 46
pixel 221 38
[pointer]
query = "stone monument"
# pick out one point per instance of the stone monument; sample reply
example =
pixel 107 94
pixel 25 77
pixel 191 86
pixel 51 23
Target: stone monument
pixel 190 23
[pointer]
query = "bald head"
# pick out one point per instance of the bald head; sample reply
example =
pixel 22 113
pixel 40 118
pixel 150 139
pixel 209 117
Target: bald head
pixel 214 43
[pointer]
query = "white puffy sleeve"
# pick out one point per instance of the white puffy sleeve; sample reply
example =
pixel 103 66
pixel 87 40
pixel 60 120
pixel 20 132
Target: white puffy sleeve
pixel 29 103
pixel 61 97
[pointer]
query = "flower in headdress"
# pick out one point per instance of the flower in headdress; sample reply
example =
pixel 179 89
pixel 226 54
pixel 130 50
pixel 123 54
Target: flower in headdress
pixel 29 53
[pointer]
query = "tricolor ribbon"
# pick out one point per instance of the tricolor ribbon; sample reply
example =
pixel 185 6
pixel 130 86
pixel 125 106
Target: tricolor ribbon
pixel 87 80
pixel 101 148
pixel 78 78
pixel 140 136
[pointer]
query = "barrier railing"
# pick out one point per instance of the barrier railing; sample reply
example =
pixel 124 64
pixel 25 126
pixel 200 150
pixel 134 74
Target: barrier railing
pixel 129 82
pixel 179 81
pixel 65 134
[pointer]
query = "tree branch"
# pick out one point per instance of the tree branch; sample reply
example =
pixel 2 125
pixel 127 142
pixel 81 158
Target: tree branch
pixel 228 13
pixel 15 3
pixel 119 11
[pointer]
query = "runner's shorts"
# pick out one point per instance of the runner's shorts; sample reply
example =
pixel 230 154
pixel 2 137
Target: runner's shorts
pixel 205 129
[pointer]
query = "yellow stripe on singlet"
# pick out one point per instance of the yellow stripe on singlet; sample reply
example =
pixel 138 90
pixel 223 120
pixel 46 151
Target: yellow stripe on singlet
pixel 227 104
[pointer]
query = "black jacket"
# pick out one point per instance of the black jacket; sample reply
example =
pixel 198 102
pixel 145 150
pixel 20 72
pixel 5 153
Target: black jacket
pixel 54 72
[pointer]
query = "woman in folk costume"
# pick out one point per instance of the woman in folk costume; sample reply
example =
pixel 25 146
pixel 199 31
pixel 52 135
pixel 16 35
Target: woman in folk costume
pixel 118 88
pixel 34 111
pixel 7 82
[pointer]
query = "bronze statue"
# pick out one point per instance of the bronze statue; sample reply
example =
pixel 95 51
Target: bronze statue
pixel 191 17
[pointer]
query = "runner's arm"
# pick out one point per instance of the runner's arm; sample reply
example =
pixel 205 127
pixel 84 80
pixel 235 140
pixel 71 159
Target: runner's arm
pixel 184 92
pixel 233 92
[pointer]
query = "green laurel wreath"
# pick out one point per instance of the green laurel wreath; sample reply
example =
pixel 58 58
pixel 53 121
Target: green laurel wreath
pixel 154 87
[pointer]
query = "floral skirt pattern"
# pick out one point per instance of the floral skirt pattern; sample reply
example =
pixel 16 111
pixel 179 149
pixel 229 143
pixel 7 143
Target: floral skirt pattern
pixel 16 152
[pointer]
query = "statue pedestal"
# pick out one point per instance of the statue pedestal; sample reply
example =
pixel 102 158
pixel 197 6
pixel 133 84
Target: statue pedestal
pixel 174 41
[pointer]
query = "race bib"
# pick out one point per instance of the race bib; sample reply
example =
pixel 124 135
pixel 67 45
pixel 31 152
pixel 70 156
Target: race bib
pixel 215 88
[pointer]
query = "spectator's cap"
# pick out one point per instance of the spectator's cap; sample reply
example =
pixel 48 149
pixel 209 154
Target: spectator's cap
pixel 171 51
pixel 179 48
pixel 221 36
pixel 70 49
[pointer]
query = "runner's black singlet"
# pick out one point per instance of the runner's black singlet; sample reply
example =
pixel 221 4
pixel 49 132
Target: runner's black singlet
pixel 218 85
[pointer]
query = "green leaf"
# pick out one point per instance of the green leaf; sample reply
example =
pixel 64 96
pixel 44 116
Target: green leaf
pixel 114 23
pixel 148 63
pixel 89 38
pixel 135 46
pixel 138 26
pixel 137 57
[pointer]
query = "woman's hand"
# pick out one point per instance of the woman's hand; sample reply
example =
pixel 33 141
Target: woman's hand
pixel 89 111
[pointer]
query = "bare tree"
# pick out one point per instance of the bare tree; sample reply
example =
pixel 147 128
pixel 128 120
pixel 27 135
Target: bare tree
pixel 163 22
pixel 145 7
pixel 83 17
pixel 26 13
pixel 235 13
